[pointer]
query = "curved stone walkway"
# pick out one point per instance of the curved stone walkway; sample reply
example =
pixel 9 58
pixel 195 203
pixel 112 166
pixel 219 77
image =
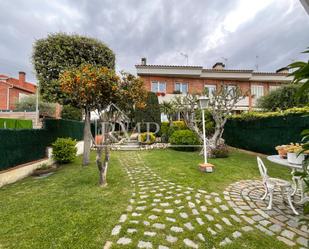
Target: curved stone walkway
pixel 245 198
pixel 163 215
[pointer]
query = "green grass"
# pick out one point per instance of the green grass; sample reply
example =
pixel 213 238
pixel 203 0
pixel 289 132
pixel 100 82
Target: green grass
pixel 182 167
pixel 69 210
pixel 65 210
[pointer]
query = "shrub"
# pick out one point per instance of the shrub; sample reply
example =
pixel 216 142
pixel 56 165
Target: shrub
pixel 184 137
pixel 64 150
pixel 246 116
pixel 220 152
pixel 167 131
pixel 283 98
pixel 72 113
pixel 181 125
pixel 147 138
pixel 28 103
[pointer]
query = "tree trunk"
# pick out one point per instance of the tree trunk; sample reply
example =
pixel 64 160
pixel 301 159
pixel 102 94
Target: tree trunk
pixel 102 166
pixel 87 138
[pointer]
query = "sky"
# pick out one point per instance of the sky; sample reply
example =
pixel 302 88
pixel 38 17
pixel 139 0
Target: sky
pixel 262 35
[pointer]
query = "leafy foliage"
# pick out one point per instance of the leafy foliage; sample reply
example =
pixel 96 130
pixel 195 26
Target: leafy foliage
pixel 64 150
pixel 72 113
pixel 301 74
pixel 60 51
pixel 147 138
pixel 90 87
pixel 150 112
pixel 186 138
pixel 132 94
pixel 283 98
pixel 28 103
pixel 167 130
pixel 246 116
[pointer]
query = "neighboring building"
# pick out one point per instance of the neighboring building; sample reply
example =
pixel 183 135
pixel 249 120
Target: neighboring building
pixel 12 90
pixel 168 80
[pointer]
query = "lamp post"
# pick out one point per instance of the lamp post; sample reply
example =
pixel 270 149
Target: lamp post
pixel 203 104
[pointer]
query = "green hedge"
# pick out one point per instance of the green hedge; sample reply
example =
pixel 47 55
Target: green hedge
pixel 26 145
pixel 10 123
pixel 262 134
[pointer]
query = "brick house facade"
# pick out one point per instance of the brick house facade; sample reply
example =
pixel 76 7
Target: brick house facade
pixel 170 80
pixel 12 89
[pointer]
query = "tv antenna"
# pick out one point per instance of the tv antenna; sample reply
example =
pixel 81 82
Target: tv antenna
pixel 225 61
pixel 257 63
pixel 186 56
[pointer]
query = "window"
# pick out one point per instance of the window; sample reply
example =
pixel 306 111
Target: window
pixel 181 87
pixel 158 87
pixel 211 89
pixel 272 88
pixel 257 91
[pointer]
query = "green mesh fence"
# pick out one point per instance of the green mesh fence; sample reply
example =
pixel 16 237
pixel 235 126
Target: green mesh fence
pixel 18 146
pixel 263 135
pixel 9 123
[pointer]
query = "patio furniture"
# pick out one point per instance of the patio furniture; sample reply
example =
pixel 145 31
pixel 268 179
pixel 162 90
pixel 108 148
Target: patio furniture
pixel 298 183
pixel 271 183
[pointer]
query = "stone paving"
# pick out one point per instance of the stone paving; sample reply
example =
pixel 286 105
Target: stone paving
pixel 162 214
pixel 280 222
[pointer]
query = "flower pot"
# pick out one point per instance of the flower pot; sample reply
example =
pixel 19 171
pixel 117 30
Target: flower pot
pixel 294 159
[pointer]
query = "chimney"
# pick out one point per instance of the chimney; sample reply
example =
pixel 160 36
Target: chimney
pixel 22 77
pixel 218 65
pixel 143 61
pixel 282 70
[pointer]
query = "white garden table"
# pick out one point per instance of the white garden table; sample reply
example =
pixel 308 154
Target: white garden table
pixel 298 183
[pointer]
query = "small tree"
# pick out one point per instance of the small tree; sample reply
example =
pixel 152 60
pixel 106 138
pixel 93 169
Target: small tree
pixel 59 52
pixel 28 103
pixel 70 112
pixel 284 98
pixel 150 112
pixel 168 109
pixel 220 106
pixel 89 88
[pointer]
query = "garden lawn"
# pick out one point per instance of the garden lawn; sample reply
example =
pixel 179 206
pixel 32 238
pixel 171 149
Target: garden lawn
pixel 69 210
pixel 182 167
pixel 65 210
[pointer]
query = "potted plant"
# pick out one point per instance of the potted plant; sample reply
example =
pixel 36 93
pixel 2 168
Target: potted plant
pixel 292 154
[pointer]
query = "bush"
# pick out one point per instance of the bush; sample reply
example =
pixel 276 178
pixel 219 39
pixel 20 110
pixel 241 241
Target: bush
pixel 220 152
pixel 167 131
pixel 283 98
pixel 184 137
pixel 147 138
pixel 64 150
pixel 247 116
pixel 72 113
pixel 28 103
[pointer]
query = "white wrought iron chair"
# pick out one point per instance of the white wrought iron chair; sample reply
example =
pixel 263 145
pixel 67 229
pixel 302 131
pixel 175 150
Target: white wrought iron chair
pixel 271 183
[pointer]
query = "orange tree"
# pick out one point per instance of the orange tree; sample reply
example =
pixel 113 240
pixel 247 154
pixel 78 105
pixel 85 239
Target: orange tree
pixel 90 88
pixel 94 88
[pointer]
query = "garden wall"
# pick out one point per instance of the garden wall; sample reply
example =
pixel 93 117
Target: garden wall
pixel 263 134
pixel 26 145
